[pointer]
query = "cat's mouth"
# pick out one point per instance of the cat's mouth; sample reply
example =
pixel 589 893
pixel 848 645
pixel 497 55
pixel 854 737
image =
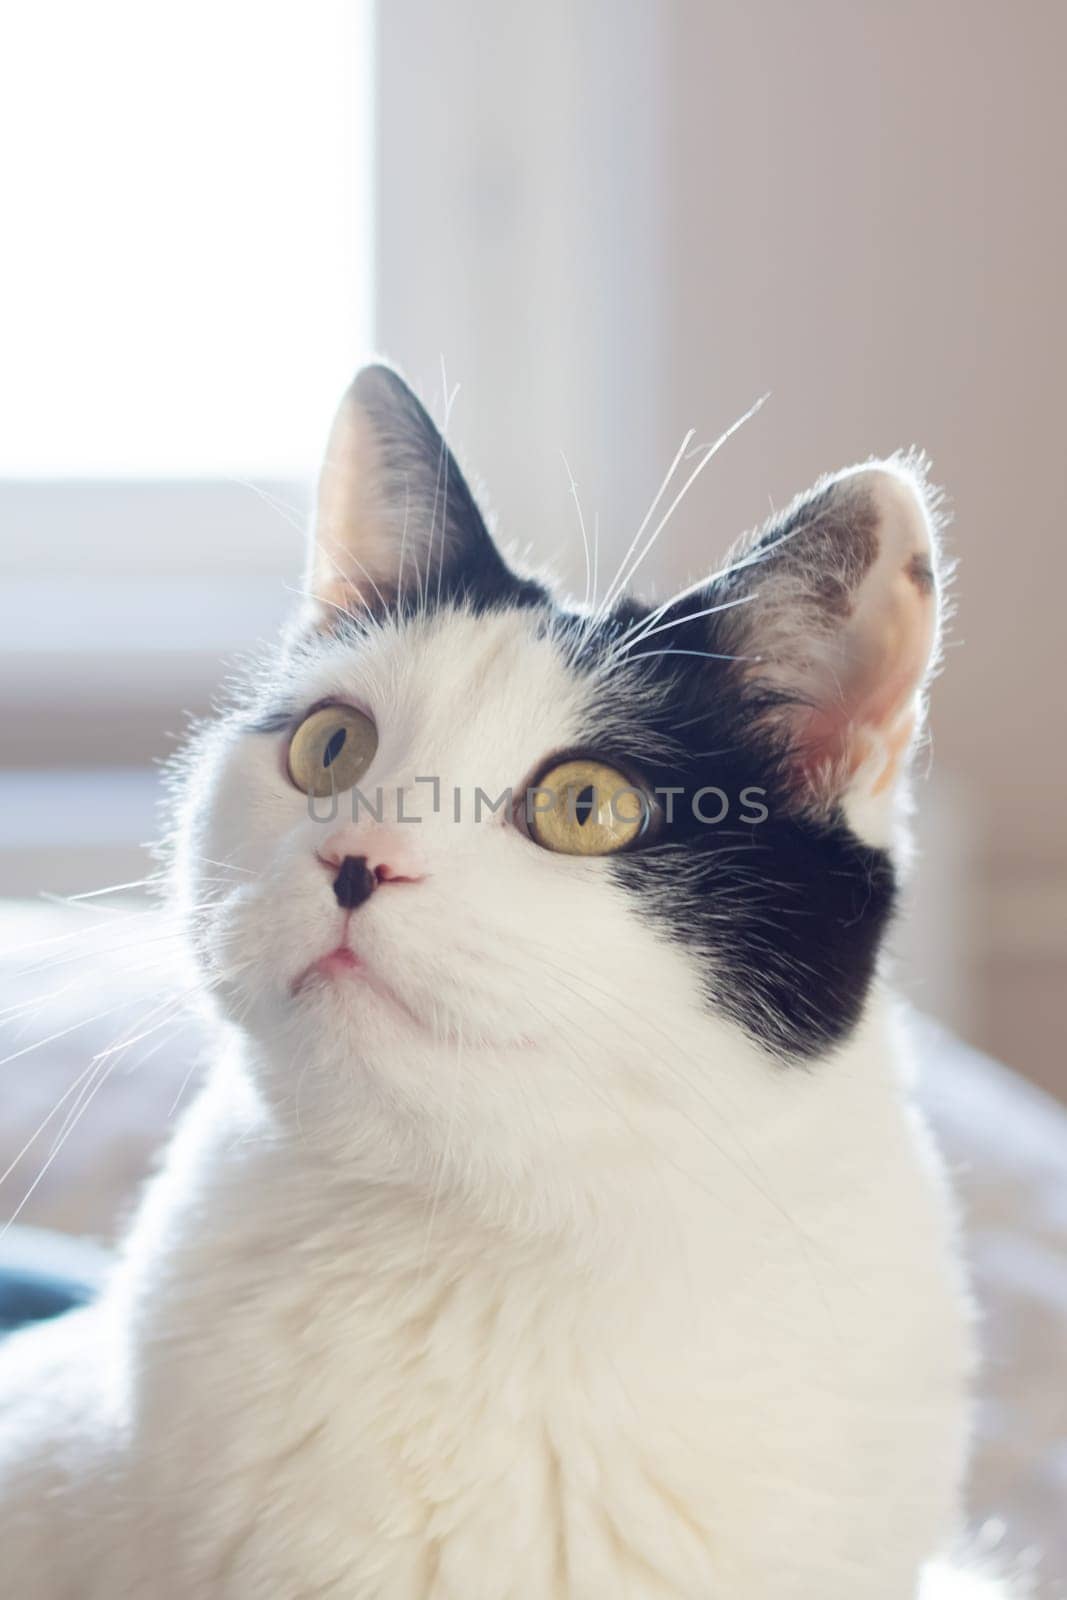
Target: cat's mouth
pixel 343 966
pixel 344 969
pixel 336 964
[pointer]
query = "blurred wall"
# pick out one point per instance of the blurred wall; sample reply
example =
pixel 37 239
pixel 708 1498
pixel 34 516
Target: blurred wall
pixel 618 220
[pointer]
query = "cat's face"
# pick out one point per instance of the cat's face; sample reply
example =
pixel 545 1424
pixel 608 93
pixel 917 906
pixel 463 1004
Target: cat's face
pixel 554 861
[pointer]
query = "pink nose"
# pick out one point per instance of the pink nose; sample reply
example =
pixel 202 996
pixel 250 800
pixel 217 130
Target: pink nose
pixel 356 876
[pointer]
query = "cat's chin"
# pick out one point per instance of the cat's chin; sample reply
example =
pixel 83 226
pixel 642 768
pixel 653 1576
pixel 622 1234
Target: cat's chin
pixel 344 987
pixel 336 966
pixel 341 973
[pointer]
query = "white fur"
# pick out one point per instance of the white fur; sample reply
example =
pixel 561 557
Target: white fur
pixel 533 1282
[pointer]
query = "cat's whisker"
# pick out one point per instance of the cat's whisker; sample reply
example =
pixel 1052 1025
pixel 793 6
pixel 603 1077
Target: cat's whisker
pixel 54 1112
pixel 581 529
pixel 593 605
pixel 701 655
pixel 188 1078
pixel 305 592
pixel 50 963
pixel 99 1079
pixel 229 866
pixel 443 472
pixel 291 515
pixel 171 1004
pixel 618 582
pixel 330 548
pixel 708 455
pixel 35 1002
pixel 89 930
pixel 439 541
pixel 96 894
pixel 629 639
pixel 79 1081
pixel 326 546
pixel 752 558
pixel 62 1033
pixel 402 563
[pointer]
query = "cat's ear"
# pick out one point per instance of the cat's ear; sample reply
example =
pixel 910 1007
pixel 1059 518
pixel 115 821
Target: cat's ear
pixel 395 516
pixel 838 632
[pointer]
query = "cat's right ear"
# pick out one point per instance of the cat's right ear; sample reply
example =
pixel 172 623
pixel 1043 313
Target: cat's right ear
pixel 395 518
pixel 828 622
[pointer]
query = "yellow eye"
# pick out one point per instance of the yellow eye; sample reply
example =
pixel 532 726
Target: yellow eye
pixel 586 808
pixel 331 750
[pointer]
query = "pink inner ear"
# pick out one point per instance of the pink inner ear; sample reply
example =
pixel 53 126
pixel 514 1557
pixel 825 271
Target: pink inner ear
pixel 897 627
pixel 873 669
pixel 352 554
pixel 872 705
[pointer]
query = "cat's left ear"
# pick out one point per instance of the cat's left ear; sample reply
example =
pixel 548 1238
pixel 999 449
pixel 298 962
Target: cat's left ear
pixel 395 516
pixel 837 635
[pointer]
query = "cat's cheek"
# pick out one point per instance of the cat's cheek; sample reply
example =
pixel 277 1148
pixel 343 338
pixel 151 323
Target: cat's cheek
pixel 230 953
pixel 241 806
pixel 243 951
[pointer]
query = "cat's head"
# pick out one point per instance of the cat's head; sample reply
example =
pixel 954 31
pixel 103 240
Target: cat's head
pixel 486 875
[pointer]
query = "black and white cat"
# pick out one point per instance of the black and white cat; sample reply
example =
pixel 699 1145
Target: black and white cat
pixel 555 1223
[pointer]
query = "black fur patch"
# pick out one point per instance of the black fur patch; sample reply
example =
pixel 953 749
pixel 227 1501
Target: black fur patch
pixel 789 911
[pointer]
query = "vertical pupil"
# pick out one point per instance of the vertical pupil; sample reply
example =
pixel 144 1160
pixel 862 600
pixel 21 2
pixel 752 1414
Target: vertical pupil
pixel 583 805
pixel 334 746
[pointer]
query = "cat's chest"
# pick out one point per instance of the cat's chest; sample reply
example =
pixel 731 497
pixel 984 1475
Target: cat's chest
pixel 393 1410
pixel 488 1431
pixel 467 1435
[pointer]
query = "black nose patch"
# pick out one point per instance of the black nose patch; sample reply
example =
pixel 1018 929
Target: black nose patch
pixel 354 883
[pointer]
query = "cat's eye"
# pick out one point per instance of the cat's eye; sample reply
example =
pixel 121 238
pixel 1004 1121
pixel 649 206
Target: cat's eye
pixel 584 807
pixel 331 749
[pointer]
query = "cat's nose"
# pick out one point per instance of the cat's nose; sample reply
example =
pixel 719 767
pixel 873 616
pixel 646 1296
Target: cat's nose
pixel 354 883
pixel 382 858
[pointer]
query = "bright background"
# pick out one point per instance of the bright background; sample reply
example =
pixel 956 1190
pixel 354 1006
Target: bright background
pixel 607 223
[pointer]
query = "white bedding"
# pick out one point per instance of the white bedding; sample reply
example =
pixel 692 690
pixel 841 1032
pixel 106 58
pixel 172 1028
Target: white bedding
pixel 103 977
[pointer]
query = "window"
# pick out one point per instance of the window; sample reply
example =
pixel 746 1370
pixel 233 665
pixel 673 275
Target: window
pixel 187 268
pixel 187 280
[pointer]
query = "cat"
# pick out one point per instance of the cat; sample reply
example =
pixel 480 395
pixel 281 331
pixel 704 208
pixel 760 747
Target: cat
pixel 555 1223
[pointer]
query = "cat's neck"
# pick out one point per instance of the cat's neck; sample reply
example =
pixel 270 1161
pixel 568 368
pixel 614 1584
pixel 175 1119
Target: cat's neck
pixel 741 1144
